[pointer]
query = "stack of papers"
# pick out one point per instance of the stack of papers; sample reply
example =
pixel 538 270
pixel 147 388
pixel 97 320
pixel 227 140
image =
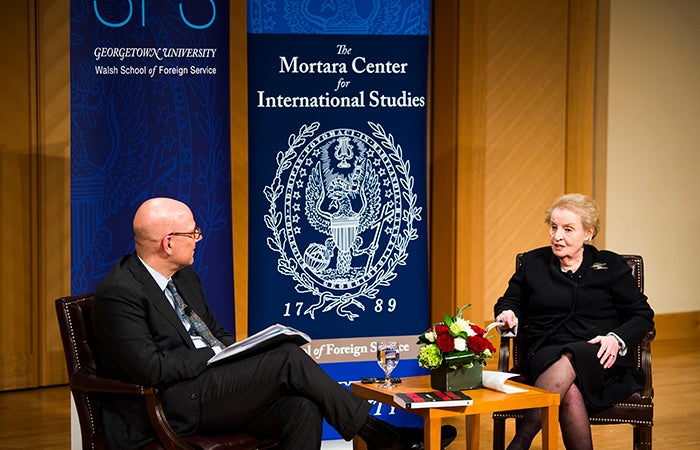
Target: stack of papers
pixel 497 382
pixel 269 337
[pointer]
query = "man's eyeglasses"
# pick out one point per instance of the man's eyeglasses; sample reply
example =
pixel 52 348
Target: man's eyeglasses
pixel 196 234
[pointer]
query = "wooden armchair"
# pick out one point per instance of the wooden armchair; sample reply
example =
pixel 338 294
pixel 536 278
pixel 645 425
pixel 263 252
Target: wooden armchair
pixel 87 383
pixel 637 410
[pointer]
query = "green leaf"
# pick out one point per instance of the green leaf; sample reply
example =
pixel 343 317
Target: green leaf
pixel 456 358
pixel 461 310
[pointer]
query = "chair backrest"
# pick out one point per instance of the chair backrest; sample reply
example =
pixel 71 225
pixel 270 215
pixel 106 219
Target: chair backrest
pixel 636 263
pixel 75 324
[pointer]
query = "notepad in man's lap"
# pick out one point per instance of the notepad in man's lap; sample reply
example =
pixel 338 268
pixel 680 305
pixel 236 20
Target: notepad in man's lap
pixel 269 337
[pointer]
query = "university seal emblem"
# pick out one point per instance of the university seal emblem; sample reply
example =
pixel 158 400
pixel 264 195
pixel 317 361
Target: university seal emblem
pixel 341 215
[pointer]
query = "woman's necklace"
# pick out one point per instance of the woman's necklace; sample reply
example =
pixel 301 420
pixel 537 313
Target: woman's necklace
pixel 573 267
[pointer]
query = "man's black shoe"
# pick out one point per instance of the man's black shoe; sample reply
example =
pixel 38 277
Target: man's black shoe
pixel 412 438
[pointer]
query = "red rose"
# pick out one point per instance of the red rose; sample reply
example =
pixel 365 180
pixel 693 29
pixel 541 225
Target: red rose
pixel 478 344
pixel 441 329
pixel 445 343
pixel 477 329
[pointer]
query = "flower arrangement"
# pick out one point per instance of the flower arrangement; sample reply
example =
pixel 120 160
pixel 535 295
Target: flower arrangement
pixel 456 343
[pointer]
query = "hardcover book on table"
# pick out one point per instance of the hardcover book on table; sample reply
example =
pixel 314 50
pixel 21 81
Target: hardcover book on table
pixel 432 399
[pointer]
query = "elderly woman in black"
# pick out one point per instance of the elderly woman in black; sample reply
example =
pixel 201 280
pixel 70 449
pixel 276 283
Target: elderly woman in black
pixel 580 310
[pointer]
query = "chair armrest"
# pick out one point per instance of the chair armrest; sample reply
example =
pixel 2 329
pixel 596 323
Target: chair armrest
pixel 166 434
pixel 645 362
pixel 504 354
pixel 85 380
pixel 89 381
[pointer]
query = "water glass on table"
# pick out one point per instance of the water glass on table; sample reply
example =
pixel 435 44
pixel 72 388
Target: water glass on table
pixel 387 358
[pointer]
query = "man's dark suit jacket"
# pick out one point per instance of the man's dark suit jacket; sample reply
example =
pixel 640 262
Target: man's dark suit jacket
pixel 141 339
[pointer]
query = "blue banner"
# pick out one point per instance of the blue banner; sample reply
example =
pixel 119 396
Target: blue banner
pixel 337 102
pixel 150 117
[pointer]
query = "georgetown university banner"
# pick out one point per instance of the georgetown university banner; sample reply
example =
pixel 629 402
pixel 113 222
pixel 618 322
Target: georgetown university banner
pixel 150 117
pixel 337 101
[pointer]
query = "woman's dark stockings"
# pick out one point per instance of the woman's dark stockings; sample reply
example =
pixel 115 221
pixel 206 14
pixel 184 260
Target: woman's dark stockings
pixel 573 417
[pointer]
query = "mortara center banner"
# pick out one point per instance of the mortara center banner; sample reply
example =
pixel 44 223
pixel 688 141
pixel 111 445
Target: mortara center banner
pixel 337 107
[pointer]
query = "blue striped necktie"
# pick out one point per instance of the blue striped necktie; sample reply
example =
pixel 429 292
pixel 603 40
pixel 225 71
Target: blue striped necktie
pixel 196 323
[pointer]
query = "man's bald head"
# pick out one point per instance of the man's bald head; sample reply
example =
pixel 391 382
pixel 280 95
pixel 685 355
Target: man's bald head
pixel 154 219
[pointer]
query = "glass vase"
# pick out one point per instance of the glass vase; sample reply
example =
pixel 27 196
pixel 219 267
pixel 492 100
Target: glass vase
pixel 445 379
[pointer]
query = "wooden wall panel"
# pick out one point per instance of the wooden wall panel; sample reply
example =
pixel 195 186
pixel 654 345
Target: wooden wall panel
pixel 443 156
pixel 525 131
pixel 600 113
pixel 471 156
pixel 522 101
pixel 239 163
pixel 18 302
pixel 581 84
pixel 53 55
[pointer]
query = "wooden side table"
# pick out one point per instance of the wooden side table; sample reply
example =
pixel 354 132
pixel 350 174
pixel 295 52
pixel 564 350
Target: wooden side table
pixel 485 401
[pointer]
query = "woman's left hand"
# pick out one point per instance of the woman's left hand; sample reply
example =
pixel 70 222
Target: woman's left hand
pixel 609 348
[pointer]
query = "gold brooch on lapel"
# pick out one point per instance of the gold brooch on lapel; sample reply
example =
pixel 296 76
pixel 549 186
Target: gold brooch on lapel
pixel 599 266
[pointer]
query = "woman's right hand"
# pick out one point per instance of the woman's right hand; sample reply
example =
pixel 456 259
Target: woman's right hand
pixel 508 318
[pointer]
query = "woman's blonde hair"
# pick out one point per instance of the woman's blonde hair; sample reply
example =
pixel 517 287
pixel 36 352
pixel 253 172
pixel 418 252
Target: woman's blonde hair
pixel 581 205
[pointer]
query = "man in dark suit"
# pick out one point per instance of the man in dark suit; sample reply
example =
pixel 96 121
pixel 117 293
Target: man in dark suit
pixel 146 335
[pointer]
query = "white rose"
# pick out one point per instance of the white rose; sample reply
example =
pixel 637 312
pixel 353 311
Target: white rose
pixel 460 344
pixel 470 331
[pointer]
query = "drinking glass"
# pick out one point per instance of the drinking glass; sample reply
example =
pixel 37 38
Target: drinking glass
pixel 388 358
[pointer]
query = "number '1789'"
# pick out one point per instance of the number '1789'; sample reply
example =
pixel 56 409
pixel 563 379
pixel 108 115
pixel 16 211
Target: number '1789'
pixel 296 308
